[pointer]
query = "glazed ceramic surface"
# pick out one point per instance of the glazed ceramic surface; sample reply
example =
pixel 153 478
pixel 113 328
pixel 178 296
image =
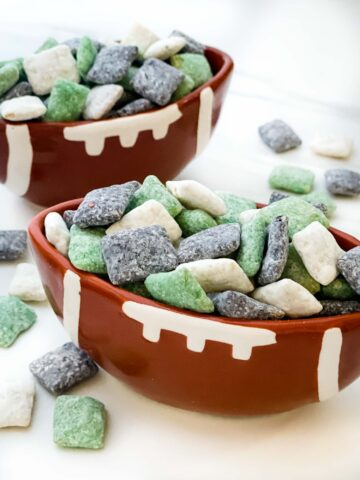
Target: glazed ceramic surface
pixel 199 362
pixel 51 162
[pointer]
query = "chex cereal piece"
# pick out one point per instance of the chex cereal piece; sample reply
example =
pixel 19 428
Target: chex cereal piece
pixel 292 179
pixel 180 289
pixel 79 422
pixel 217 275
pixel 295 270
pixel 252 244
pixel 237 305
pixel 340 181
pixel 26 284
pixel 111 64
pixel 140 36
pixel 85 55
pixel 22 108
pixel 349 266
pixel 276 196
pixel 194 65
pixel 277 251
pixel 126 81
pixel 73 44
pixel 68 217
pixel 85 249
pixel 9 75
pixel 337 146
pixel 321 199
pixel 185 87
pixel 101 100
pixel 157 81
pixel 165 48
pixel 192 45
pixel 104 206
pixel 194 221
pixel 338 289
pixel 12 244
pixel 214 242
pixel 45 68
pixel 279 136
pixel 193 194
pixel 66 102
pixel 132 255
pixel 234 207
pixel 15 318
pixel 299 213
pixel 19 90
pixel 16 401
pixel 149 213
pixel 140 105
pixel 247 215
pixel 338 307
pixel 290 297
pixel 57 232
pixel 62 368
pixel 153 189
pixel 319 252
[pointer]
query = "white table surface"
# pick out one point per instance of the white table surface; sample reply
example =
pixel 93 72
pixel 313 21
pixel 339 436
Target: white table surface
pixel 146 440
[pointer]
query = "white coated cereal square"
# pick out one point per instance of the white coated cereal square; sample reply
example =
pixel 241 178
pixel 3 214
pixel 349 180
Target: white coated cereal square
pixel 140 36
pixel 16 401
pixel 337 146
pixel 57 232
pixel 23 108
pixel 165 48
pixel 319 252
pixel 44 68
pixel 26 284
pixel 101 100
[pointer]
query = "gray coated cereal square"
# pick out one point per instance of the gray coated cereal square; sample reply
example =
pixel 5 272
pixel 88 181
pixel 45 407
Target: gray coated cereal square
pixel 12 244
pixel 112 63
pixel 279 136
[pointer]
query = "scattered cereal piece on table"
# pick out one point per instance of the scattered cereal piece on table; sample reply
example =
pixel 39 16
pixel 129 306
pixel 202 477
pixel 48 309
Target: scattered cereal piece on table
pixel 234 207
pixel 338 307
pixel 237 305
pixel 193 194
pixel 85 249
pixel 153 189
pixel 180 289
pixel 217 275
pixel 57 232
pixel 19 90
pixel 276 196
pixel 157 81
pixel 9 75
pixel 252 244
pixel 292 179
pixel 279 136
pixel 59 370
pixel 185 87
pixel 132 255
pixel 194 221
pixel 295 270
pixel 44 69
pixel 149 213
pixel 276 254
pixel 26 284
pixel 290 297
pixel 214 242
pixel 165 48
pixel 49 43
pixel 337 146
pixel 140 105
pixel 111 64
pixel 349 266
pixel 66 102
pixel 22 108
pixel 101 100
pixel 194 65
pixel 247 215
pixel 338 289
pixel 68 217
pixel 16 401
pixel 85 55
pixel 340 181
pixel 15 318
pixel 12 244
pixel 104 206
pixel 192 45
pixel 319 252
pixel 79 422
pixel 140 36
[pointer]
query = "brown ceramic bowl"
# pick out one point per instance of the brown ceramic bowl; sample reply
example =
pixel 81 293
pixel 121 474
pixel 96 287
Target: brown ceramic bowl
pixel 52 162
pixel 199 362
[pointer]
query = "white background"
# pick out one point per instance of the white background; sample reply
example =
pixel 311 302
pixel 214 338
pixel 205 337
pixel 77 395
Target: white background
pixel 297 60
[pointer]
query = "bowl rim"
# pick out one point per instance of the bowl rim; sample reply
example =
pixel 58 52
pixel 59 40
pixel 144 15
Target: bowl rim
pixel 310 324
pixel 226 67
